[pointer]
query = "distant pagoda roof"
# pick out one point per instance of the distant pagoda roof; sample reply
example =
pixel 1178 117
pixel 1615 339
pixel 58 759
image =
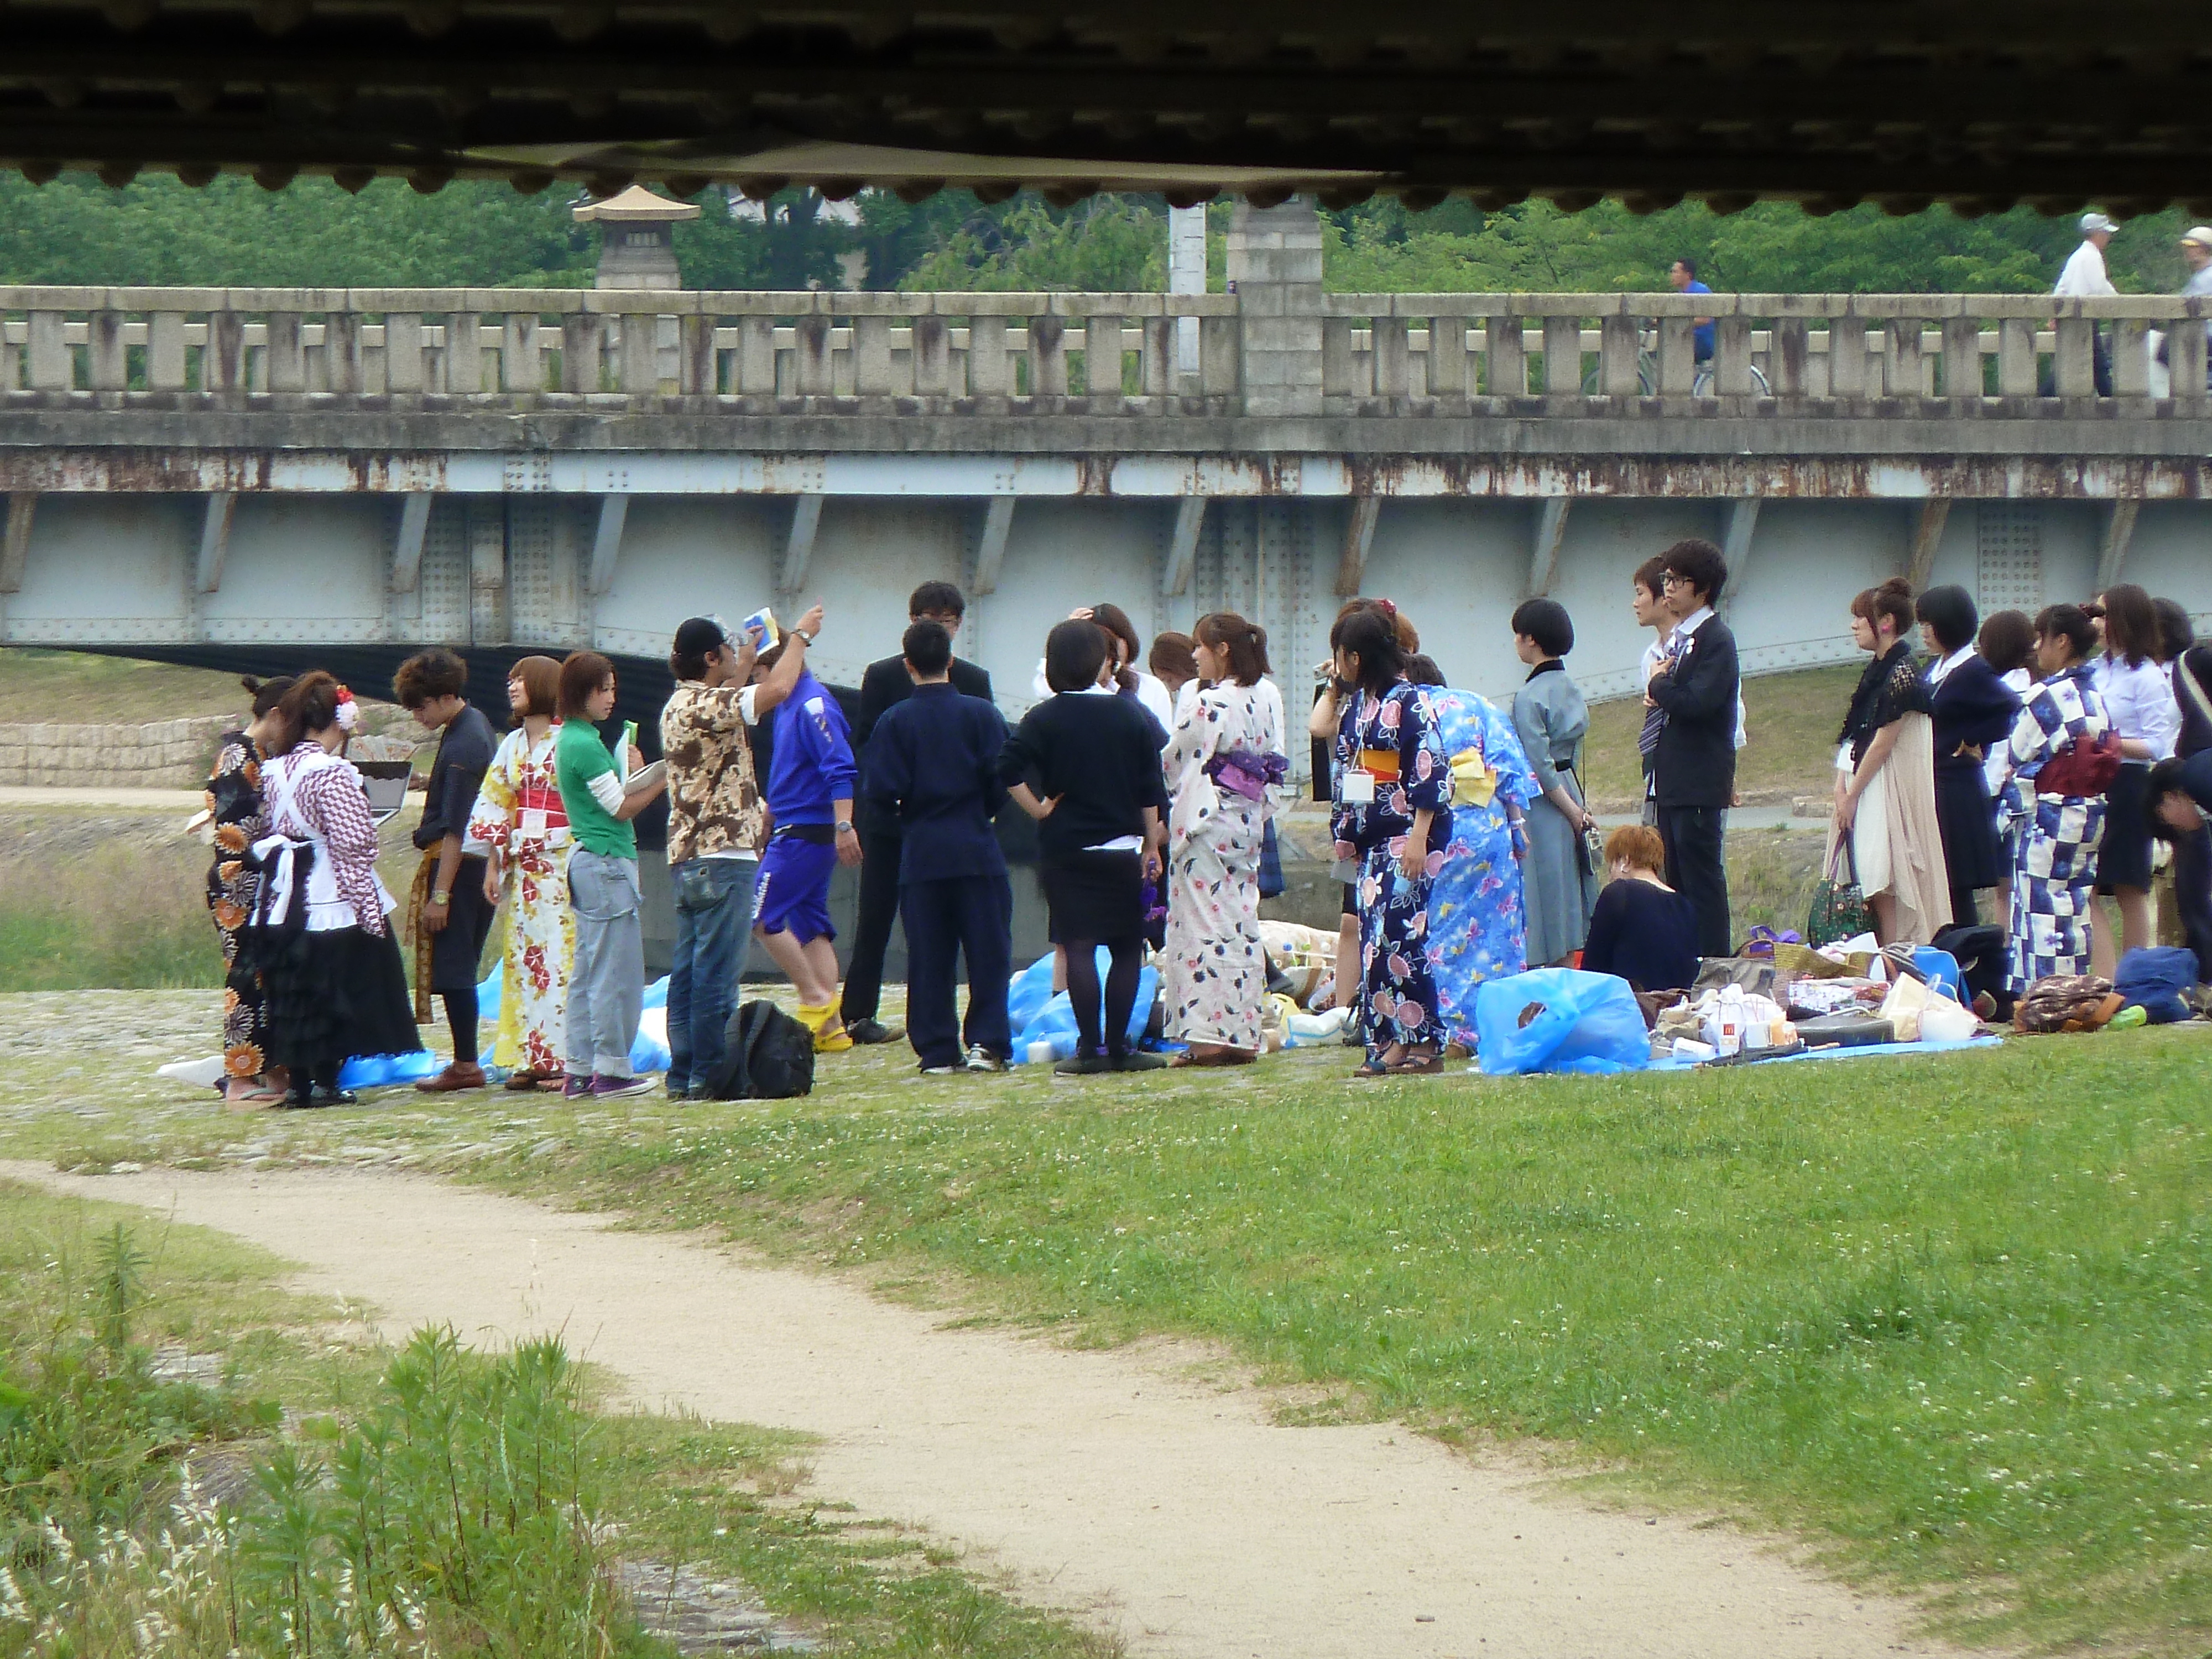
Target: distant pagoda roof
pixel 636 206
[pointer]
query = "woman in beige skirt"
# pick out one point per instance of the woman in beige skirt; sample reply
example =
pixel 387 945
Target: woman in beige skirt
pixel 1886 777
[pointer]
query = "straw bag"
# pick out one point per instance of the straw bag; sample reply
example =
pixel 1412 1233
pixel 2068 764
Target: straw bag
pixel 1840 909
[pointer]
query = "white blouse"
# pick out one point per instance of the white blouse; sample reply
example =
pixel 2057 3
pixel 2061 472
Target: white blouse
pixel 2140 700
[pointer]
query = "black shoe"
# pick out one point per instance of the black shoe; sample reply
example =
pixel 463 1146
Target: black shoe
pixel 1137 1061
pixel 299 1100
pixel 1085 1066
pixel 326 1096
pixel 869 1031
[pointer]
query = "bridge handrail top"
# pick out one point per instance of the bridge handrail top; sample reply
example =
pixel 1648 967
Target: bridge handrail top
pixel 661 302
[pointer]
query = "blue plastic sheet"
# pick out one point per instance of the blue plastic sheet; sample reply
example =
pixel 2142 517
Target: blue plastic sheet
pixel 382 1071
pixel 1559 1019
pixel 645 1055
pixel 1860 1052
pixel 1039 1015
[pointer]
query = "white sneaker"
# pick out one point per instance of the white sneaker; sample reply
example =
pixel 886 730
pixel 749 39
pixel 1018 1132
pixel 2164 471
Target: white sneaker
pixel 980 1058
pixel 943 1071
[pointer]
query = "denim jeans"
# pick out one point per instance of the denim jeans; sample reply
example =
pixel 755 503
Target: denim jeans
pixel 606 986
pixel 713 930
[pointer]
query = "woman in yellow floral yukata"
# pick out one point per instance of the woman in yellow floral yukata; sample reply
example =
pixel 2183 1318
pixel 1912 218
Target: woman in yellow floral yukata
pixel 518 817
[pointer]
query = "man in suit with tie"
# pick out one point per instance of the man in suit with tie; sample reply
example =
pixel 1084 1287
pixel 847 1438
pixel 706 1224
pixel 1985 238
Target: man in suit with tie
pixel 886 684
pixel 1691 698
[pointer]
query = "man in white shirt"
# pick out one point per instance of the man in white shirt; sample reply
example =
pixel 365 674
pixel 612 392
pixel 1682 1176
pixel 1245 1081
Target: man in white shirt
pixel 2084 277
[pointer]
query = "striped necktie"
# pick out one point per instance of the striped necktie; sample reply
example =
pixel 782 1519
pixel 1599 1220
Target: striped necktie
pixel 1654 719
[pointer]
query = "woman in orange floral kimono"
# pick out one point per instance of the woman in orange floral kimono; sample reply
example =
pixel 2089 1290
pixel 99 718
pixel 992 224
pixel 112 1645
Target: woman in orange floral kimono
pixel 233 805
pixel 520 818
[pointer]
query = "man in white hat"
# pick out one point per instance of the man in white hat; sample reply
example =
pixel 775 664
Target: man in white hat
pixel 2084 277
pixel 2197 254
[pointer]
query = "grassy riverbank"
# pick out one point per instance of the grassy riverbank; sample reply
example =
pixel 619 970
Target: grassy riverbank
pixel 1944 1316
pixel 189 1454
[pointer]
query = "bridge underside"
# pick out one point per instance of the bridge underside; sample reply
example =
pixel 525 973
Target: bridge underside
pixel 273 579
pixel 1828 103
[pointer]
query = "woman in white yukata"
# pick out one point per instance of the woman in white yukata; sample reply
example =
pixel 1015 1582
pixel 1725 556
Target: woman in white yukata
pixel 1226 763
pixel 2049 778
pixel 520 816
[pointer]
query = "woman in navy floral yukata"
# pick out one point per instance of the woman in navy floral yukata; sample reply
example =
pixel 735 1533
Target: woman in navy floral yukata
pixel 1392 816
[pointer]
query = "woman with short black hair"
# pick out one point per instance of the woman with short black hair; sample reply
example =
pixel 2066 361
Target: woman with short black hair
pixel 2049 779
pixel 1552 719
pixel 1086 767
pixel 1973 710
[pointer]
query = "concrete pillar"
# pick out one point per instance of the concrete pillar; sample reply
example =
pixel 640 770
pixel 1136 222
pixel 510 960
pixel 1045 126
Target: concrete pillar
pixel 1274 266
pixel 1186 274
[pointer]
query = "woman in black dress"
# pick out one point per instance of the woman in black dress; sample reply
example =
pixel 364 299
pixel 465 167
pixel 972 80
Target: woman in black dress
pixel 1643 930
pixel 1973 709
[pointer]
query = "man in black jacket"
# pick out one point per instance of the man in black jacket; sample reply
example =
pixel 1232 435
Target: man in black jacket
pixel 886 684
pixel 1693 766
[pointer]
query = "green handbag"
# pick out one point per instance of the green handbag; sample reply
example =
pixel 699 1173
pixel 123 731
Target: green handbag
pixel 1840 909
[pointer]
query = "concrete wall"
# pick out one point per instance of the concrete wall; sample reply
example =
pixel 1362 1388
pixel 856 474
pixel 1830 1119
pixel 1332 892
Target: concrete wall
pixel 159 755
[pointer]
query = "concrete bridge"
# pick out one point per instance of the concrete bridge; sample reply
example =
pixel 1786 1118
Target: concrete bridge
pixel 231 475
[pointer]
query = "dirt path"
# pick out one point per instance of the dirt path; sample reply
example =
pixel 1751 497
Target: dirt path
pixel 1108 1483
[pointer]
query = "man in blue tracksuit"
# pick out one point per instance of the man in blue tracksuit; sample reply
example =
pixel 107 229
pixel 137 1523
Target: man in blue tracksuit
pixel 809 799
pixel 933 765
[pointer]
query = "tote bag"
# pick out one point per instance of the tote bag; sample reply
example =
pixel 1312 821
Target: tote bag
pixel 1840 909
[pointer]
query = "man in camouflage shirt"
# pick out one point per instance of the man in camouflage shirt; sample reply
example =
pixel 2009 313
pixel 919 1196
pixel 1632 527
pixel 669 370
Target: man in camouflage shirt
pixel 717 825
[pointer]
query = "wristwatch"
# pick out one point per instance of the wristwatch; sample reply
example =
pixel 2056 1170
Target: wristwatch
pixel 440 898
pixel 845 826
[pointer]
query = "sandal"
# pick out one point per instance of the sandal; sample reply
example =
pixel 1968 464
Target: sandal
pixel 1426 1066
pixel 1371 1068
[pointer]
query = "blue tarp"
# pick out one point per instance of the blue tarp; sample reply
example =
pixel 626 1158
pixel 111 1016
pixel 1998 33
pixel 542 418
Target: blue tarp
pixel 1859 1053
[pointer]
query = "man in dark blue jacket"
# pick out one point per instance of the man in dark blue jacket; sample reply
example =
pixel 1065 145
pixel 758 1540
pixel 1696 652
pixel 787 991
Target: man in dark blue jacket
pixel 1694 762
pixel 932 768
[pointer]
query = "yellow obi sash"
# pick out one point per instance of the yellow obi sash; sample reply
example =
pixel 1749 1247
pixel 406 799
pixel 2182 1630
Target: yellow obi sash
pixel 1474 781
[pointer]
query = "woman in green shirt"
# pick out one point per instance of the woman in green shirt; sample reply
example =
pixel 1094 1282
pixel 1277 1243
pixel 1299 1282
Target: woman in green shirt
pixel 606 986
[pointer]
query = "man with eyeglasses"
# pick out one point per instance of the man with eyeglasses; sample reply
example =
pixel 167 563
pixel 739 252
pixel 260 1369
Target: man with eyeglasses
pixel 1693 701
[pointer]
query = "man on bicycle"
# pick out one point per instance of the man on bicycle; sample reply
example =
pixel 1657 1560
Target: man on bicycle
pixel 1682 277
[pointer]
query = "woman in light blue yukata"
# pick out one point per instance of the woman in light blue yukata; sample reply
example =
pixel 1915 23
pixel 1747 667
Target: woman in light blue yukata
pixel 1478 920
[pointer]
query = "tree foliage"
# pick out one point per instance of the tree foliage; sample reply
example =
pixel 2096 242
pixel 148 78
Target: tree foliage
pixel 156 231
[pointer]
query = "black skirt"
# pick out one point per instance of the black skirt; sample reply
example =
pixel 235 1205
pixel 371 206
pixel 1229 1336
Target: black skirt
pixel 1972 853
pixel 1094 896
pixel 333 995
pixel 2124 856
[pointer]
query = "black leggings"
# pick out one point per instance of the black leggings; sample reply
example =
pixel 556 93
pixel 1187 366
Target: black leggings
pixel 1127 960
pixel 461 1015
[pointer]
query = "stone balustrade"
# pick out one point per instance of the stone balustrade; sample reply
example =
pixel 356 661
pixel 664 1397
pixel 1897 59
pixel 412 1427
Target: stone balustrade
pixel 1111 353
pixel 1118 354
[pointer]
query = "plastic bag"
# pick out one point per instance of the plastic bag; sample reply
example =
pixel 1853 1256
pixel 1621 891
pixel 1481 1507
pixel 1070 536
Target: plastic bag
pixel 1559 1019
pixel 1054 1023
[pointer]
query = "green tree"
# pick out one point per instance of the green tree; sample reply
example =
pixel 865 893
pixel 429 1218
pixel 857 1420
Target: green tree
pixel 1108 244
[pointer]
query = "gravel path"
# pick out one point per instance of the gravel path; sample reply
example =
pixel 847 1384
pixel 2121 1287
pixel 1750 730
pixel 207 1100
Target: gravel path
pixel 1134 1487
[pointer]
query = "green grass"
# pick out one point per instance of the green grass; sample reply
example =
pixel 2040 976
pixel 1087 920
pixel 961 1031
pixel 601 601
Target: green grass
pixel 1791 720
pixel 93 1435
pixel 1946 1317
pixel 82 688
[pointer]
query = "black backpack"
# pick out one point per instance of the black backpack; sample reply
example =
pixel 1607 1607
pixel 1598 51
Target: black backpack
pixel 765 1055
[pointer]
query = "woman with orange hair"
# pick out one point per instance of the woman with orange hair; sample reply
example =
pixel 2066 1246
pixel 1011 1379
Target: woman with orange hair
pixel 519 816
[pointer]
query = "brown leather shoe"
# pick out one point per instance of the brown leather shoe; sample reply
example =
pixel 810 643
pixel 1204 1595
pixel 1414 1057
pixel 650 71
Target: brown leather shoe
pixel 523 1080
pixel 454 1079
